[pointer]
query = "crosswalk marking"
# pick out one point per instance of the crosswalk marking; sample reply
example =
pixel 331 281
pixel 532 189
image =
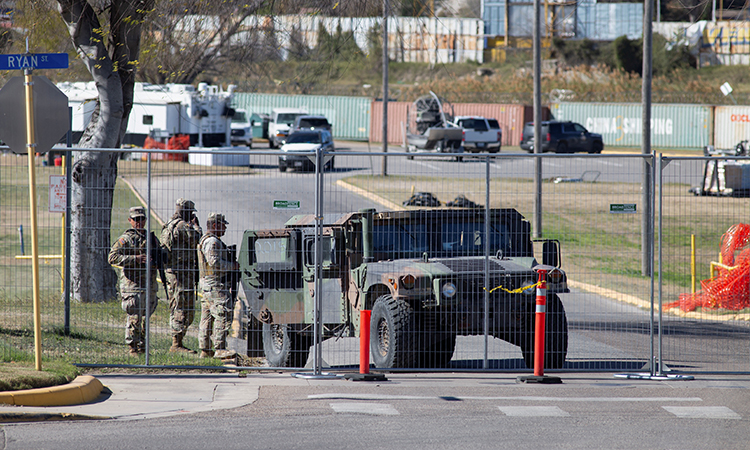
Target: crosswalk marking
pixel 533 411
pixel 377 409
pixel 528 398
pixel 703 412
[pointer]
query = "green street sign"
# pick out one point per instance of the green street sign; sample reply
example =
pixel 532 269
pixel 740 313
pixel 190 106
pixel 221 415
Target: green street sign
pixel 622 208
pixel 286 204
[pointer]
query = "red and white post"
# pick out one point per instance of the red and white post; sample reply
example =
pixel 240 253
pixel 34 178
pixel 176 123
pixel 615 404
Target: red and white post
pixel 541 315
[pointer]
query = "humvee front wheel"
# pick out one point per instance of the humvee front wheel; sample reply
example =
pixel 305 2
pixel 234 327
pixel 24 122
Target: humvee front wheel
pixel 392 333
pixel 285 347
pixel 555 336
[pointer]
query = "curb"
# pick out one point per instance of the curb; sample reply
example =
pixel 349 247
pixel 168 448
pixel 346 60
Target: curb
pixel 84 389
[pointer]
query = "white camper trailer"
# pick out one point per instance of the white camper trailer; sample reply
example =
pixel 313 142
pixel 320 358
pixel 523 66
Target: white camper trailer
pixel 162 111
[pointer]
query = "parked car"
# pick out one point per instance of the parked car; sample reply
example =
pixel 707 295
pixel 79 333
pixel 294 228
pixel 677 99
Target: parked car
pixel 562 137
pixel 242 130
pixel 480 133
pixel 305 141
pixel 312 123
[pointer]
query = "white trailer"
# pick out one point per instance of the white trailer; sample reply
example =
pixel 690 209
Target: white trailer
pixel 162 111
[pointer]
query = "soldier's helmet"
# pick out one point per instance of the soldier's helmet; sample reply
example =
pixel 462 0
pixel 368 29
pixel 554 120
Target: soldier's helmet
pixel 137 212
pixel 184 205
pixel 217 218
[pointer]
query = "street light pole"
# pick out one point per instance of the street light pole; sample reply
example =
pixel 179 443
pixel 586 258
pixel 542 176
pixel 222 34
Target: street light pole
pixel 385 87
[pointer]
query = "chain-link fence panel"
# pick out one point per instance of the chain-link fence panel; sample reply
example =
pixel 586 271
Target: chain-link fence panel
pixel 702 222
pixel 441 248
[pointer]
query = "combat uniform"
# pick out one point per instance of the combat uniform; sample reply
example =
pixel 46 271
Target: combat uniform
pixel 217 306
pixel 180 236
pixel 133 283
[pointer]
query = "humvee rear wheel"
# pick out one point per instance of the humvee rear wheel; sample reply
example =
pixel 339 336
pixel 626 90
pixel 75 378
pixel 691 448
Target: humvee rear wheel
pixel 285 347
pixel 392 333
pixel 439 353
pixel 555 336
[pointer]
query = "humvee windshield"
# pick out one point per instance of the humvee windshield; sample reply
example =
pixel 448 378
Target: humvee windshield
pixel 273 250
pixel 449 239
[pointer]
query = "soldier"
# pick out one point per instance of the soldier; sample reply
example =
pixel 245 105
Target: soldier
pixel 129 252
pixel 180 236
pixel 217 306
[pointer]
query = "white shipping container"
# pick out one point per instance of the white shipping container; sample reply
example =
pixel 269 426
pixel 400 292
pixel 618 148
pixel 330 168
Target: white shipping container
pixel 731 126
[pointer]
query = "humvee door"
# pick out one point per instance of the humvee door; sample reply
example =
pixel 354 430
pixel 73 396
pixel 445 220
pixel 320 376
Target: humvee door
pixel 271 265
pixel 330 274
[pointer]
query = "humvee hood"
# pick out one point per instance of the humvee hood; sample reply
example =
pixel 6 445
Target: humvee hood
pixel 447 266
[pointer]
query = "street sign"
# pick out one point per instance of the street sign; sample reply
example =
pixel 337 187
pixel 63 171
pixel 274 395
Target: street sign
pixel 57 193
pixel 34 61
pixel 51 118
pixel 286 204
pixel 622 208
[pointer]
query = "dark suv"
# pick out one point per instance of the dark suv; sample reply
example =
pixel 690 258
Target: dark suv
pixel 562 137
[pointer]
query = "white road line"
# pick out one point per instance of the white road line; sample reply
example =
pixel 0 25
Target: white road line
pixel 533 411
pixel 702 412
pixel 350 396
pixel 376 409
pixel 429 166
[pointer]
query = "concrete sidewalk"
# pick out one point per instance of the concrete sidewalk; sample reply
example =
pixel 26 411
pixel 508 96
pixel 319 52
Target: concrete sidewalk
pixel 142 396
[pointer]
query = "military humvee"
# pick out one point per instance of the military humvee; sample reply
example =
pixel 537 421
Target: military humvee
pixel 421 273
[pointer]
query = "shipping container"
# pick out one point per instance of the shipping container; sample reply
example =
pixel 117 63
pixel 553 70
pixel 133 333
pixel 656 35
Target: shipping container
pixel 350 116
pixel 510 117
pixel 620 124
pixel 732 125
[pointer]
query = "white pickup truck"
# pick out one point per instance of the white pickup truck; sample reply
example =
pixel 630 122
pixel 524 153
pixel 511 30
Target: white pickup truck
pixel 480 133
pixel 281 123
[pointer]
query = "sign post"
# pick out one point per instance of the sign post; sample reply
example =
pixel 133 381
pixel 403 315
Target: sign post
pixel 27 62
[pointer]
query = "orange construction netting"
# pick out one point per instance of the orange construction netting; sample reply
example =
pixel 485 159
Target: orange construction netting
pixel 730 289
pixel 176 142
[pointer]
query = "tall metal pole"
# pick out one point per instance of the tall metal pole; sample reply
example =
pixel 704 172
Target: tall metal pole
pixel 647 223
pixel 485 362
pixel 537 122
pixel 386 13
pixel 31 150
pixel 149 249
pixel 68 209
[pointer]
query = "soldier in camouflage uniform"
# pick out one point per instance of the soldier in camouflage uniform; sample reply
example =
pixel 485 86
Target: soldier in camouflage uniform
pixel 129 252
pixel 180 236
pixel 217 307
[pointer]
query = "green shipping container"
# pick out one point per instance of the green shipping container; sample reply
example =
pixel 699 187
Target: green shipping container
pixel 350 116
pixel 620 124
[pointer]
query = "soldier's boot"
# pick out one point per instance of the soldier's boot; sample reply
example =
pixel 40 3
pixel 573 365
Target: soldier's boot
pixel 207 354
pixel 178 347
pixel 225 354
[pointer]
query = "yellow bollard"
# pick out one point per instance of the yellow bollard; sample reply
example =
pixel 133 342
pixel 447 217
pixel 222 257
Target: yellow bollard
pixel 692 261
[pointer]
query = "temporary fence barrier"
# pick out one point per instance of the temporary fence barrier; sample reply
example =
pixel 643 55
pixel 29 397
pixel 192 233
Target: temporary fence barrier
pixel 445 292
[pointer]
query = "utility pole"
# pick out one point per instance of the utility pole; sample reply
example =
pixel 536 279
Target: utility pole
pixel 647 225
pixel 537 122
pixel 385 87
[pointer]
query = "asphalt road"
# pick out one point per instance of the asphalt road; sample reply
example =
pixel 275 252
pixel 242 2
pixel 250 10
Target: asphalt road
pixel 440 411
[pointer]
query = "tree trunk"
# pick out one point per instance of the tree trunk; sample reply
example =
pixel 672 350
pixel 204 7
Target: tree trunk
pixel 111 61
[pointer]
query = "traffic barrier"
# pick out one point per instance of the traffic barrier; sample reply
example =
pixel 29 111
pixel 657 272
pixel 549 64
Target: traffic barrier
pixel 541 315
pixel 364 341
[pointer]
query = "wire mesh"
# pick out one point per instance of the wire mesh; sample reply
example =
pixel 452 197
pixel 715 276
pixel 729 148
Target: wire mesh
pixel 444 292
